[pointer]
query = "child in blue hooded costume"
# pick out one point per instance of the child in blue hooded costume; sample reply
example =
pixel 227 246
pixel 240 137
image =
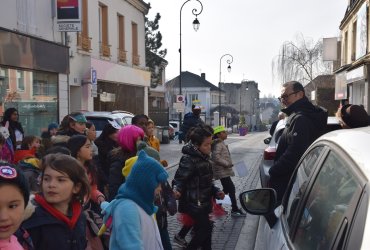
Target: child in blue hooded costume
pixel 131 213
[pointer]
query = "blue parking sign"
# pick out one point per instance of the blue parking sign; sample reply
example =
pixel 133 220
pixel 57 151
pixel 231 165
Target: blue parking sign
pixel 93 76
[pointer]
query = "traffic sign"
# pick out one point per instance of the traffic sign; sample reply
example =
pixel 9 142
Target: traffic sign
pixel 94 77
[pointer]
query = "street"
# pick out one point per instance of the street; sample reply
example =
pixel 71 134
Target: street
pixel 229 232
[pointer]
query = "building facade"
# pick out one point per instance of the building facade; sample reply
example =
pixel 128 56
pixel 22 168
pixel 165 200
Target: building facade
pixel 112 45
pixel 352 78
pixel 34 64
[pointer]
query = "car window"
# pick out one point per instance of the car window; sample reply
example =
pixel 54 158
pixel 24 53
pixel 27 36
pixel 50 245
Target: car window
pixel 98 123
pixel 119 121
pixel 304 171
pixel 326 205
pixel 128 120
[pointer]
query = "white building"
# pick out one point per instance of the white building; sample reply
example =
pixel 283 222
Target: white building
pixel 112 42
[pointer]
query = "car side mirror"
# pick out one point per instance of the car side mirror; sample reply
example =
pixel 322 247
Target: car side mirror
pixel 258 201
pixel 267 140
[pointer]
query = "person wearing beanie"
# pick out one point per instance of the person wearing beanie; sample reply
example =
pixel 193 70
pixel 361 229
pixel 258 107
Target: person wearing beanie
pixel 223 167
pixel 128 139
pixel 352 116
pixel 13 201
pixel 132 210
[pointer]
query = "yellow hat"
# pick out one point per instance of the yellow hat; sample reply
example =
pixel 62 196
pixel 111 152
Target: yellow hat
pixel 129 163
pixel 218 129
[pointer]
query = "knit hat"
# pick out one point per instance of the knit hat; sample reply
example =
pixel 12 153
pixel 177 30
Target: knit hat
pixel 150 151
pixel 354 116
pixel 52 125
pixel 76 142
pixel 218 129
pixel 146 174
pixel 10 174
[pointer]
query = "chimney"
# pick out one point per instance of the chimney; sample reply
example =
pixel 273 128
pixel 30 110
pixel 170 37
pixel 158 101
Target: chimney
pixel 203 75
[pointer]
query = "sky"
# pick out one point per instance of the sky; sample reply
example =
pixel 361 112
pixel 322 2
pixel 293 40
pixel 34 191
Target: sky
pixel 251 31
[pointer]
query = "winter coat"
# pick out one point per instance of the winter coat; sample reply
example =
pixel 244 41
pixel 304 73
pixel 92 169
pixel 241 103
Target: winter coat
pixel 221 159
pixel 105 146
pixel 305 123
pixel 31 171
pixel 117 158
pixel 193 179
pixel 190 121
pixel 47 232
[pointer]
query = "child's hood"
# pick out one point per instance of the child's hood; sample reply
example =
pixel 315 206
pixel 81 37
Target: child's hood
pixel 30 209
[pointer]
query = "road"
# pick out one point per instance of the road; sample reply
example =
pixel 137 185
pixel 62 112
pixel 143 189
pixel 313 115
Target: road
pixel 229 232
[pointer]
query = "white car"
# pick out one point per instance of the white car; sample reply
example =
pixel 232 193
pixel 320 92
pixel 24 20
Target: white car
pixel 326 205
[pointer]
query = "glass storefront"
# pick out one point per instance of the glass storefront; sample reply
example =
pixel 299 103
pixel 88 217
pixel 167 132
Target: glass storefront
pixel 33 93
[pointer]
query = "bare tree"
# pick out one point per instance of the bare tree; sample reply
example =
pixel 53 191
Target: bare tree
pixel 300 61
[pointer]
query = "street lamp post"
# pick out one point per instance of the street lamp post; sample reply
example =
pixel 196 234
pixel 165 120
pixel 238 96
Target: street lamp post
pixel 229 61
pixel 196 27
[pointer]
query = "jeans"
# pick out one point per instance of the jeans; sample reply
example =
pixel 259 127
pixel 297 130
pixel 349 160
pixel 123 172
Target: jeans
pixel 229 188
pixel 203 232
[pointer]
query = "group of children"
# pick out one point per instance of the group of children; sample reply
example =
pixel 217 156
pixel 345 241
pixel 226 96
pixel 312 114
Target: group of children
pixel 65 195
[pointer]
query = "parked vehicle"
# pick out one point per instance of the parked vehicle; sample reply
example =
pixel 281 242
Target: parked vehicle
pixel 326 205
pixel 175 125
pixel 171 132
pixel 101 118
pixel 273 141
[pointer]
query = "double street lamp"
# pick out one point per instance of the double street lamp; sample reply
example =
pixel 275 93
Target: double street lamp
pixel 196 27
pixel 229 61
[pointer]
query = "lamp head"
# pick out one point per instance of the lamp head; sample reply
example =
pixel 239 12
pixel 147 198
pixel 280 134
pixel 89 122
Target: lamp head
pixel 229 68
pixel 196 24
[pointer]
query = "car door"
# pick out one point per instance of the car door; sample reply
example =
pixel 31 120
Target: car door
pixel 278 236
pixel 319 214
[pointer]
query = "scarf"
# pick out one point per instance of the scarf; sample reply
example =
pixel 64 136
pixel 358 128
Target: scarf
pixel 71 222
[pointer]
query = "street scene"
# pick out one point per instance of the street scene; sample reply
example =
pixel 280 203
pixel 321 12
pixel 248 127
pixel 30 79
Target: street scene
pixel 184 124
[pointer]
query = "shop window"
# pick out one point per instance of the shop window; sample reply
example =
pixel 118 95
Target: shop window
pixel 4 79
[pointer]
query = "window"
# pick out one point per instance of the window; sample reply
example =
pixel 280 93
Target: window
pixel 83 40
pixel 121 38
pixel 215 99
pixel 330 197
pixel 354 34
pixel 20 80
pixel 192 97
pixel 103 30
pixel 345 48
pixel 135 49
pixel 301 180
pixel 4 76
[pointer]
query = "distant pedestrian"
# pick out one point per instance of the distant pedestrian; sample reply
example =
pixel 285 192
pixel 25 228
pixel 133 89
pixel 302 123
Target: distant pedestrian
pixel 132 210
pixel 13 201
pixel 352 116
pixel 305 123
pixel 57 221
pixel 15 128
pixel 223 168
pixel 191 119
pixel 193 186
pixel 46 137
pixel 141 121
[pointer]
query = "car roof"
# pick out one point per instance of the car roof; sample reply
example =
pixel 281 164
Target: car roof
pixel 106 114
pixel 355 142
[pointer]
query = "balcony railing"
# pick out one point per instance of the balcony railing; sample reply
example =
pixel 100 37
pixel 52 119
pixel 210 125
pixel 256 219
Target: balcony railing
pixel 105 50
pixel 136 60
pixel 122 55
pixel 84 42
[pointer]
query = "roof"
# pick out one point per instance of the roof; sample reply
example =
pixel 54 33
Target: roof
pixel 356 143
pixel 191 80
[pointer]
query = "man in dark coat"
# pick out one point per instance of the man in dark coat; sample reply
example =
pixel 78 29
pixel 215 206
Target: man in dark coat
pixel 191 119
pixel 305 123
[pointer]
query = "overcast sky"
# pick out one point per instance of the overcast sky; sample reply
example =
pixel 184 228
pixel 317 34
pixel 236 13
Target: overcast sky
pixel 251 31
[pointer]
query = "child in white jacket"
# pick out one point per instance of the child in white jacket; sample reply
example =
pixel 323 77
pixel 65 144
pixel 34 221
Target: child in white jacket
pixel 223 167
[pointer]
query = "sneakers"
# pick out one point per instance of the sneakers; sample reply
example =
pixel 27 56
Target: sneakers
pixel 237 213
pixel 180 241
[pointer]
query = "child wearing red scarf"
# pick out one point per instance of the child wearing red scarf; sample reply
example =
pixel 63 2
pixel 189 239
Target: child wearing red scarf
pixel 58 221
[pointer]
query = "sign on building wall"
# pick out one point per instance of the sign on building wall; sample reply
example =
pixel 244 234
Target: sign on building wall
pixel 361 32
pixel 69 15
